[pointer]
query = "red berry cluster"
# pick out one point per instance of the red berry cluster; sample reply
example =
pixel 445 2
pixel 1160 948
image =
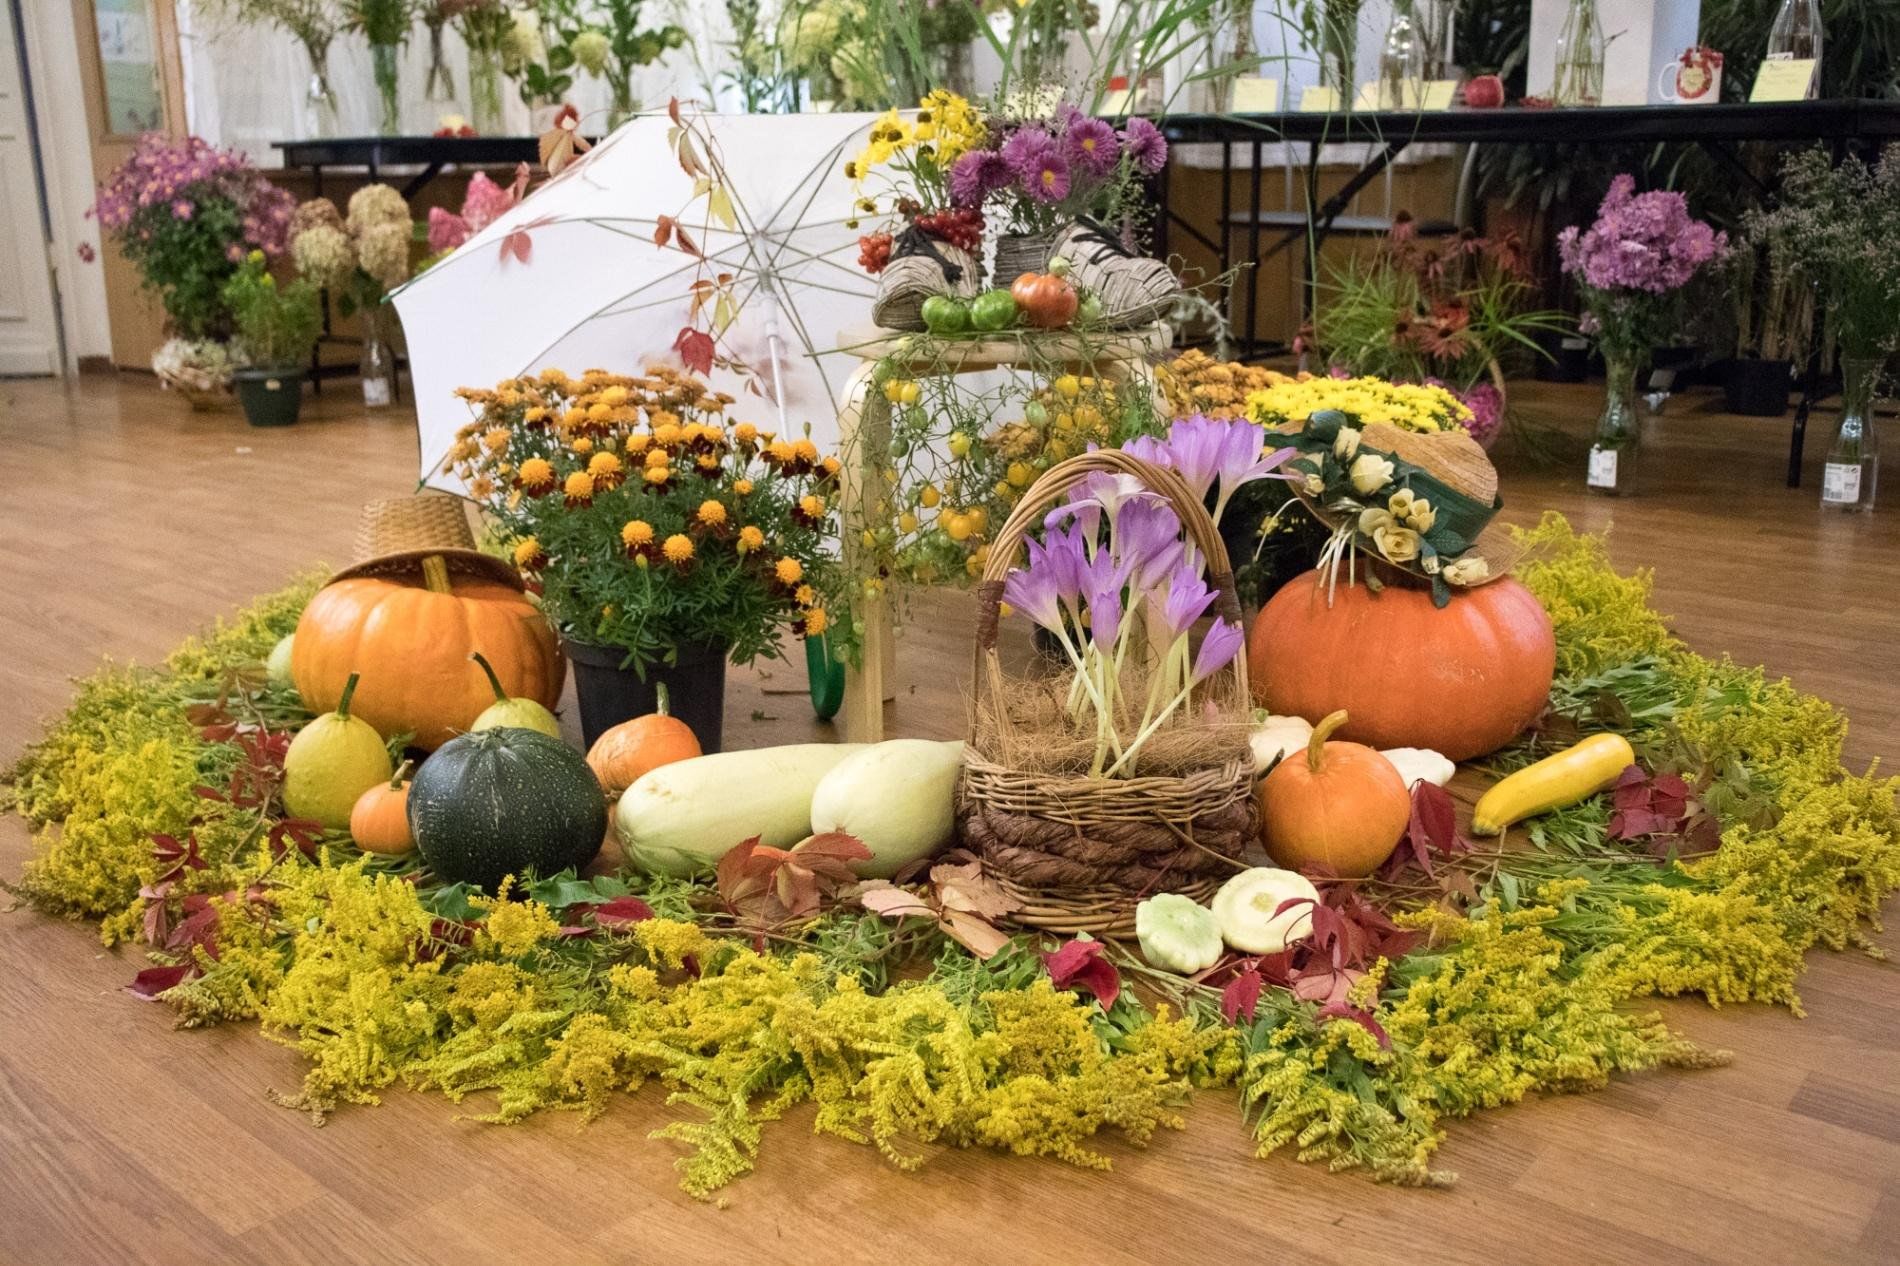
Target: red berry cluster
pixel 962 227
pixel 874 252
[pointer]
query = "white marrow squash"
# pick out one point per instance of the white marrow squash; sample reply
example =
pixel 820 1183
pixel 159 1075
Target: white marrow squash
pixel 1277 737
pixel 897 797
pixel 683 817
pixel 1420 764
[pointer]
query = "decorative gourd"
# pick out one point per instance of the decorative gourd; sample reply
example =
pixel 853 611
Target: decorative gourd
pixel 506 801
pixel 1046 301
pixel 1418 764
pixel 331 762
pixel 413 641
pixel 380 821
pixel 1277 738
pixel 623 754
pixel 683 817
pixel 522 714
pixel 1341 806
pixel 1247 908
pixel 1462 680
pixel 1557 780
pixel 1177 933
pixel 277 667
pixel 898 797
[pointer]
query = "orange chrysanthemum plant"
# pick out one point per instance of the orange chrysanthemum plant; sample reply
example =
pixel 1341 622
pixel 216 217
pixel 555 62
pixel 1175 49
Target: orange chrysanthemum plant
pixel 649 521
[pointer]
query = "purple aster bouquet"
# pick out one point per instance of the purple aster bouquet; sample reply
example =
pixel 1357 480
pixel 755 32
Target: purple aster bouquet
pixel 186 214
pixel 1043 172
pixel 1115 559
pixel 1633 263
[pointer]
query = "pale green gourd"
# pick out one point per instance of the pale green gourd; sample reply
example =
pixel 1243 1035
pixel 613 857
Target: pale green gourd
pixel 1245 908
pixel 1178 933
pixel 513 714
pixel 331 762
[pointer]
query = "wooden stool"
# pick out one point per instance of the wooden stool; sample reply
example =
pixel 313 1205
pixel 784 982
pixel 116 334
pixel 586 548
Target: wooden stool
pixel 864 439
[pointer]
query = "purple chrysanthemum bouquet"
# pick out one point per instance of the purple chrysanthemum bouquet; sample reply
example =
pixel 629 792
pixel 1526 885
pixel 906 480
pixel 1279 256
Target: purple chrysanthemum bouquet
pixel 186 214
pixel 1115 559
pixel 1633 262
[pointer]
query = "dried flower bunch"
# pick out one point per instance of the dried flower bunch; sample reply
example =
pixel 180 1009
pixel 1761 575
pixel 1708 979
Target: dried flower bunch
pixel 646 520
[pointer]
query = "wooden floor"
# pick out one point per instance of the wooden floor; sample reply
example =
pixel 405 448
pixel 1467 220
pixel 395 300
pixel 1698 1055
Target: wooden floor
pixel 129 521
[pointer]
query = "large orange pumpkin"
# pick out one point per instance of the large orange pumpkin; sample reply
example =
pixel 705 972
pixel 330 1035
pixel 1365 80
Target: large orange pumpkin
pixel 410 638
pixel 1463 679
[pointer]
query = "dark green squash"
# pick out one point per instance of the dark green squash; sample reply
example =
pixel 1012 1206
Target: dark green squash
pixel 505 801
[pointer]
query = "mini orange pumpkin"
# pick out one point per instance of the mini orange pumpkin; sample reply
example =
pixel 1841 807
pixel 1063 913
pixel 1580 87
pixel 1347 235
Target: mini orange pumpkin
pixel 380 821
pixel 1340 805
pixel 1046 300
pixel 621 755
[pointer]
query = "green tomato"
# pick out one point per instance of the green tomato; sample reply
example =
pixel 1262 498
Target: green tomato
pixel 993 310
pixel 945 315
pixel 883 371
pixel 1035 413
pixel 1090 310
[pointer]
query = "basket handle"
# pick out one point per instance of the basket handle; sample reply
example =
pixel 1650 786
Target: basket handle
pixel 1048 491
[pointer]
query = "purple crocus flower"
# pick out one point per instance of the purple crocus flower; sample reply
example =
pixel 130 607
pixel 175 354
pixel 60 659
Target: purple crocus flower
pixel 1055 577
pixel 1102 586
pixel 1218 648
pixel 1146 145
pixel 1147 540
pixel 1186 600
pixel 1099 493
pixel 1209 451
pixel 1091 145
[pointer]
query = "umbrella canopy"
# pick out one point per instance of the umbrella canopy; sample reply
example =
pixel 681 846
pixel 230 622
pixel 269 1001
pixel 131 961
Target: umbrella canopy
pixel 592 270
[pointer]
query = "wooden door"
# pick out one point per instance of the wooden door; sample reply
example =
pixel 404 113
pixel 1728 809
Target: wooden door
pixel 29 320
pixel 132 80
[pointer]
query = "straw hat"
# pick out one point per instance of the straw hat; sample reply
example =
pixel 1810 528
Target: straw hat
pixel 1425 502
pixel 394 536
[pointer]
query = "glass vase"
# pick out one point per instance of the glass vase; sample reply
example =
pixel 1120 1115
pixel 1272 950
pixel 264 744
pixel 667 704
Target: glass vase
pixel 438 86
pixel 623 105
pixel 1579 80
pixel 1402 60
pixel 484 91
pixel 1853 463
pixel 377 368
pixel 1615 448
pixel 386 62
pixel 1339 55
pixel 320 117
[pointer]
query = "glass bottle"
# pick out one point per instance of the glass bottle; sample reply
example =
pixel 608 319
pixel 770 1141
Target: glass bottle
pixel 1796 35
pixel 1614 449
pixel 484 91
pixel 319 98
pixel 386 63
pixel 438 86
pixel 377 367
pixel 1853 463
pixel 1402 60
pixel 1579 80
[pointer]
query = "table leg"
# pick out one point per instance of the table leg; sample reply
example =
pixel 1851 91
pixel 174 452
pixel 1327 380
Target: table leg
pixel 864 426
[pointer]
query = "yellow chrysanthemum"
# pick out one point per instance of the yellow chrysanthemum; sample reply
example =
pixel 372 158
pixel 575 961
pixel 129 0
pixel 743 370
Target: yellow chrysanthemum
pixel 742 486
pixel 678 548
pixel 711 513
pixel 636 532
pixel 536 472
pixel 527 552
pixel 603 465
pixel 579 486
pixel 495 438
pixel 789 571
pixel 750 538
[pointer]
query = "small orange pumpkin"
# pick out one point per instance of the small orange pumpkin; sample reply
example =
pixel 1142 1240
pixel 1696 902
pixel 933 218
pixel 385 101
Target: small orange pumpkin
pixel 1340 805
pixel 621 755
pixel 380 821
pixel 1047 301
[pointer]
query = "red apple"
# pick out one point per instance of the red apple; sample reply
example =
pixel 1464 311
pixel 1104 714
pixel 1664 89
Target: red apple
pixel 1484 92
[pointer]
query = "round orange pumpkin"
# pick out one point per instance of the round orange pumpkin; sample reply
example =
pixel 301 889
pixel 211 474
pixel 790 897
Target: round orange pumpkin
pixel 621 755
pixel 1336 805
pixel 411 639
pixel 380 821
pixel 1047 301
pixel 1463 679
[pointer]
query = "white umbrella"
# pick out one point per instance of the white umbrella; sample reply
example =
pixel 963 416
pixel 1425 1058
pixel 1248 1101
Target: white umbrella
pixel 573 277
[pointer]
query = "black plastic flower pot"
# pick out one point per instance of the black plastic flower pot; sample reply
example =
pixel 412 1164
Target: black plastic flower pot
pixel 271 397
pixel 610 694
pixel 1758 388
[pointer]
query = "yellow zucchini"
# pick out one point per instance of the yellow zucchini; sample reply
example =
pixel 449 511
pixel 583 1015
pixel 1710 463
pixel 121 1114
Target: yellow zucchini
pixel 1557 780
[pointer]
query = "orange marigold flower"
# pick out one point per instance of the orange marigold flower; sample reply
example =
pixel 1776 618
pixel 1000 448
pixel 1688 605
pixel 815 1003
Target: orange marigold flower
pixel 804 595
pixel 536 415
pixel 678 548
pixel 657 475
pixel 536 474
pixel 831 465
pixel 603 464
pixel 529 554
pixel 816 621
pixel 805 450
pixel 711 513
pixel 742 486
pixel 750 538
pixel 789 571
pixel 481 487
pixel 745 433
pixel 812 505
pixel 708 464
pixel 582 445
pixel 657 457
pixel 636 532
pixel 579 488
pixel 554 377
pixel 495 438
pixel 637 443
pixel 667 435
pixel 779 453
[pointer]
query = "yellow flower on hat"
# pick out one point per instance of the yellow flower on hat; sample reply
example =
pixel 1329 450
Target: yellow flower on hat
pixel 1421 516
pixel 1314 485
pixel 1397 544
pixel 1400 503
pixel 1372 520
pixel 1370 472
pixel 1346 444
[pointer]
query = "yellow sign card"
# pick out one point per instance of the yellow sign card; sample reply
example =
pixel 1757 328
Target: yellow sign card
pixel 1318 99
pixel 1783 80
pixel 1368 98
pixel 1439 94
pixel 1255 95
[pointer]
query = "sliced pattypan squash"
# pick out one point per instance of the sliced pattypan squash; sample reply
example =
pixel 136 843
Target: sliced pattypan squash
pixel 1244 910
pixel 1177 933
pixel 1274 737
pixel 1420 764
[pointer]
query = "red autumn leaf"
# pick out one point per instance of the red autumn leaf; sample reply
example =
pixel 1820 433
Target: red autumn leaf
pixel 1083 965
pixel 1431 830
pixel 1242 995
pixel 695 348
pixel 687 244
pixel 621 912
pixel 673 109
pixel 663 230
pixel 1359 1016
pixel 829 855
pixel 154 981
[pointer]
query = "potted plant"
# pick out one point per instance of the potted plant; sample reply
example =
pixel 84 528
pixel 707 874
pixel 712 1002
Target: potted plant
pixel 277 326
pixel 663 539
pixel 185 214
pixel 1435 310
pixel 1774 314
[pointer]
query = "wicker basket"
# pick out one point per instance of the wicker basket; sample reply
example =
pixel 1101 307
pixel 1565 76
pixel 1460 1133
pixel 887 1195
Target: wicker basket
pixel 1078 853
pixel 1019 253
